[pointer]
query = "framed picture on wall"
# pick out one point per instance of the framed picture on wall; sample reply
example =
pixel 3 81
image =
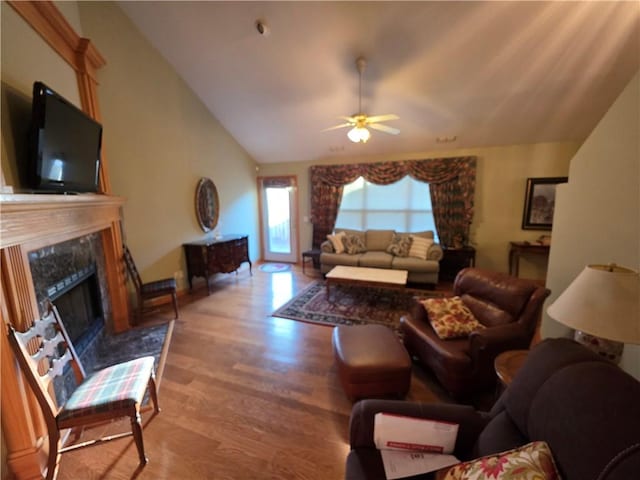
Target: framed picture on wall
pixel 539 202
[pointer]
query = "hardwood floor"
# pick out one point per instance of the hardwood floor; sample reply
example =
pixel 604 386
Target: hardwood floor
pixel 243 396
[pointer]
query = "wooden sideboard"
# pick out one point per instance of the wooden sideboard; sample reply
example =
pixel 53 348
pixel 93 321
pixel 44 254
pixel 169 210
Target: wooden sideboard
pixel 216 255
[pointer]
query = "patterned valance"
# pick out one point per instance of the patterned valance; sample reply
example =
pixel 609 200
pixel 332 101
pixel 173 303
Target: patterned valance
pixel 436 170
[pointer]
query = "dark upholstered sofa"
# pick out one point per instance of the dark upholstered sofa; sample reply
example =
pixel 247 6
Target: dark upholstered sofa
pixel 507 306
pixel 585 408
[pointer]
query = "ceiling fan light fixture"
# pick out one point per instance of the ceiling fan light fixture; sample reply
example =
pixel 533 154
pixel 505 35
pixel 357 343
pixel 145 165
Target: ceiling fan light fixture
pixel 359 135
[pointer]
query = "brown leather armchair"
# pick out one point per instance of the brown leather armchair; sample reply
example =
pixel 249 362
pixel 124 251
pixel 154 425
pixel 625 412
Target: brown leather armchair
pixel 509 307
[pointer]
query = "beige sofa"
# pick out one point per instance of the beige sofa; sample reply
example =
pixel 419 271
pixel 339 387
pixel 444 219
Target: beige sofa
pixel 376 243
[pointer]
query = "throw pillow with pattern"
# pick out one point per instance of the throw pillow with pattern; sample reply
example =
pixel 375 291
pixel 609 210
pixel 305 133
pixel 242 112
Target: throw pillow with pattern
pixel 400 245
pixel 353 244
pixel 529 462
pixel 450 317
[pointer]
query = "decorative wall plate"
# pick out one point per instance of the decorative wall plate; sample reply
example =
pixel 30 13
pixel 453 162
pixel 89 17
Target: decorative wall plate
pixel 207 204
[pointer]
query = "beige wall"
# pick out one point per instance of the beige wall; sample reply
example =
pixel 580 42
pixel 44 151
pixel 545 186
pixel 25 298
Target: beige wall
pixel 160 139
pixel 500 187
pixel 597 213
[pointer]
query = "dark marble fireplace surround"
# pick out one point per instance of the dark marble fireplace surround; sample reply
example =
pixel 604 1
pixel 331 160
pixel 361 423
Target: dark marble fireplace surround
pixel 55 270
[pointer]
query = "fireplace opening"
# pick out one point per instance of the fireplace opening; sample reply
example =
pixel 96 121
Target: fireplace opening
pixel 77 298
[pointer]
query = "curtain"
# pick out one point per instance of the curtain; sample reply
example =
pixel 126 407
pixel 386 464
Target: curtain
pixel 327 197
pixel 451 181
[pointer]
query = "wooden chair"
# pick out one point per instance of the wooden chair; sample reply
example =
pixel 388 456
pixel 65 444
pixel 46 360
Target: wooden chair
pixel 149 290
pixel 112 393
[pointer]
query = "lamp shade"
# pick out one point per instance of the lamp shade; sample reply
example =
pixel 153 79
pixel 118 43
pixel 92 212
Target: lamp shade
pixel 602 301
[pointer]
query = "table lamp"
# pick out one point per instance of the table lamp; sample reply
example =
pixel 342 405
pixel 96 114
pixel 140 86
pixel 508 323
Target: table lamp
pixel 602 306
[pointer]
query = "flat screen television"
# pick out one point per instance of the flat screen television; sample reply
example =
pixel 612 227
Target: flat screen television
pixel 64 145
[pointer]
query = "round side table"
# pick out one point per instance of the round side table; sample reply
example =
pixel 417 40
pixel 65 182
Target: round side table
pixel 508 363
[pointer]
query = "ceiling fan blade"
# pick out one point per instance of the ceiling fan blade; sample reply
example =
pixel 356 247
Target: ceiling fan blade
pixel 384 128
pixel 337 126
pixel 382 118
pixel 349 119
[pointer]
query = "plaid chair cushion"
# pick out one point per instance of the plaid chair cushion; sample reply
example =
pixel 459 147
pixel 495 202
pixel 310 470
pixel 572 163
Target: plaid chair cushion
pixel 118 387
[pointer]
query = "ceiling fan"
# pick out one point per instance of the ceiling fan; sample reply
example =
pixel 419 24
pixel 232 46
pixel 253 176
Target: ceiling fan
pixel 360 121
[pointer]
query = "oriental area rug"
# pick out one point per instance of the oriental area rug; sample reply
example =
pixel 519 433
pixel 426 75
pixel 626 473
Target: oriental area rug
pixel 352 305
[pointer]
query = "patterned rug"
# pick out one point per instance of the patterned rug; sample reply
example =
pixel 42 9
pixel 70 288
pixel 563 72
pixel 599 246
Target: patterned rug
pixel 275 267
pixel 351 305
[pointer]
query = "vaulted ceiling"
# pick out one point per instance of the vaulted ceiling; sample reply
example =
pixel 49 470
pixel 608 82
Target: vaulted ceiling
pixel 486 73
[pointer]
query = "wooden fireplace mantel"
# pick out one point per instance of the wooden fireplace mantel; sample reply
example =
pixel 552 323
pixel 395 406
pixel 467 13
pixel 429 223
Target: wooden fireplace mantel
pixel 31 221
pixel 47 219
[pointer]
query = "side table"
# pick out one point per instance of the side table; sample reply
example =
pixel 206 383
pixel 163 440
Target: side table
pixel 454 260
pixel 508 363
pixel 518 249
pixel 314 255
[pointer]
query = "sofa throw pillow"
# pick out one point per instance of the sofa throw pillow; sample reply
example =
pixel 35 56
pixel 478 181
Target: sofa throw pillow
pixel 420 247
pixel 450 317
pixel 533 461
pixel 353 244
pixel 337 241
pixel 400 245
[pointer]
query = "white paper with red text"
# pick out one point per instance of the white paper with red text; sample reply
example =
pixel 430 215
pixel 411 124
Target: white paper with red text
pixel 403 463
pixel 398 432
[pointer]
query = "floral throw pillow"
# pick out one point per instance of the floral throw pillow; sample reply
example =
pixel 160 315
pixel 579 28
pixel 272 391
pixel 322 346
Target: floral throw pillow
pixel 450 317
pixel 400 245
pixel 353 244
pixel 529 462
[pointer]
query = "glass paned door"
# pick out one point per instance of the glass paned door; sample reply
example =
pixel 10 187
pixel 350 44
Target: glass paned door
pixel 279 235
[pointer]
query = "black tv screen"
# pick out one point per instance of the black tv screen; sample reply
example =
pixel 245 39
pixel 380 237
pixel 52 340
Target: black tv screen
pixel 65 145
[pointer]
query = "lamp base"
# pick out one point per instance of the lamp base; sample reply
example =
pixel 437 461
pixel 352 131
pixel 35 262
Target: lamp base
pixel 609 349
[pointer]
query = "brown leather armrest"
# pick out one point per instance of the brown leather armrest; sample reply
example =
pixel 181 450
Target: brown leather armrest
pixel 471 422
pixel 509 336
pixel 486 344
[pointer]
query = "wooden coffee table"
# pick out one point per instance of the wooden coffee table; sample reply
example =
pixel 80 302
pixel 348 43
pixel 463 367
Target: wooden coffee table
pixel 366 277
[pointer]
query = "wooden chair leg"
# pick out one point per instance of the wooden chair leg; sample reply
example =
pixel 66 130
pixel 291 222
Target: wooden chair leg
pixel 174 297
pixel 53 458
pixel 153 392
pixel 139 310
pixel 136 429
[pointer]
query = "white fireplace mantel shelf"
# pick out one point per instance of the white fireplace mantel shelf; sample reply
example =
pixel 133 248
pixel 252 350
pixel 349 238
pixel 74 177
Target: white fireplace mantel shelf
pixel 44 219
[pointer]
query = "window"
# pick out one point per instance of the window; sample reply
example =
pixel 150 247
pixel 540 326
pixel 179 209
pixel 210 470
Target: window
pixel 404 206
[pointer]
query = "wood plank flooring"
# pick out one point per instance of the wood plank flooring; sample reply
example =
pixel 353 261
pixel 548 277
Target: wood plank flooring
pixel 243 396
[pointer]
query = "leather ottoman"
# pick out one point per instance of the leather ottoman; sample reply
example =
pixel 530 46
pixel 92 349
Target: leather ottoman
pixel 372 362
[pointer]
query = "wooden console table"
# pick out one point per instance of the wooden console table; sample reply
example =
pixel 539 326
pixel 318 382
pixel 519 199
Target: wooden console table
pixel 517 249
pixel 216 255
